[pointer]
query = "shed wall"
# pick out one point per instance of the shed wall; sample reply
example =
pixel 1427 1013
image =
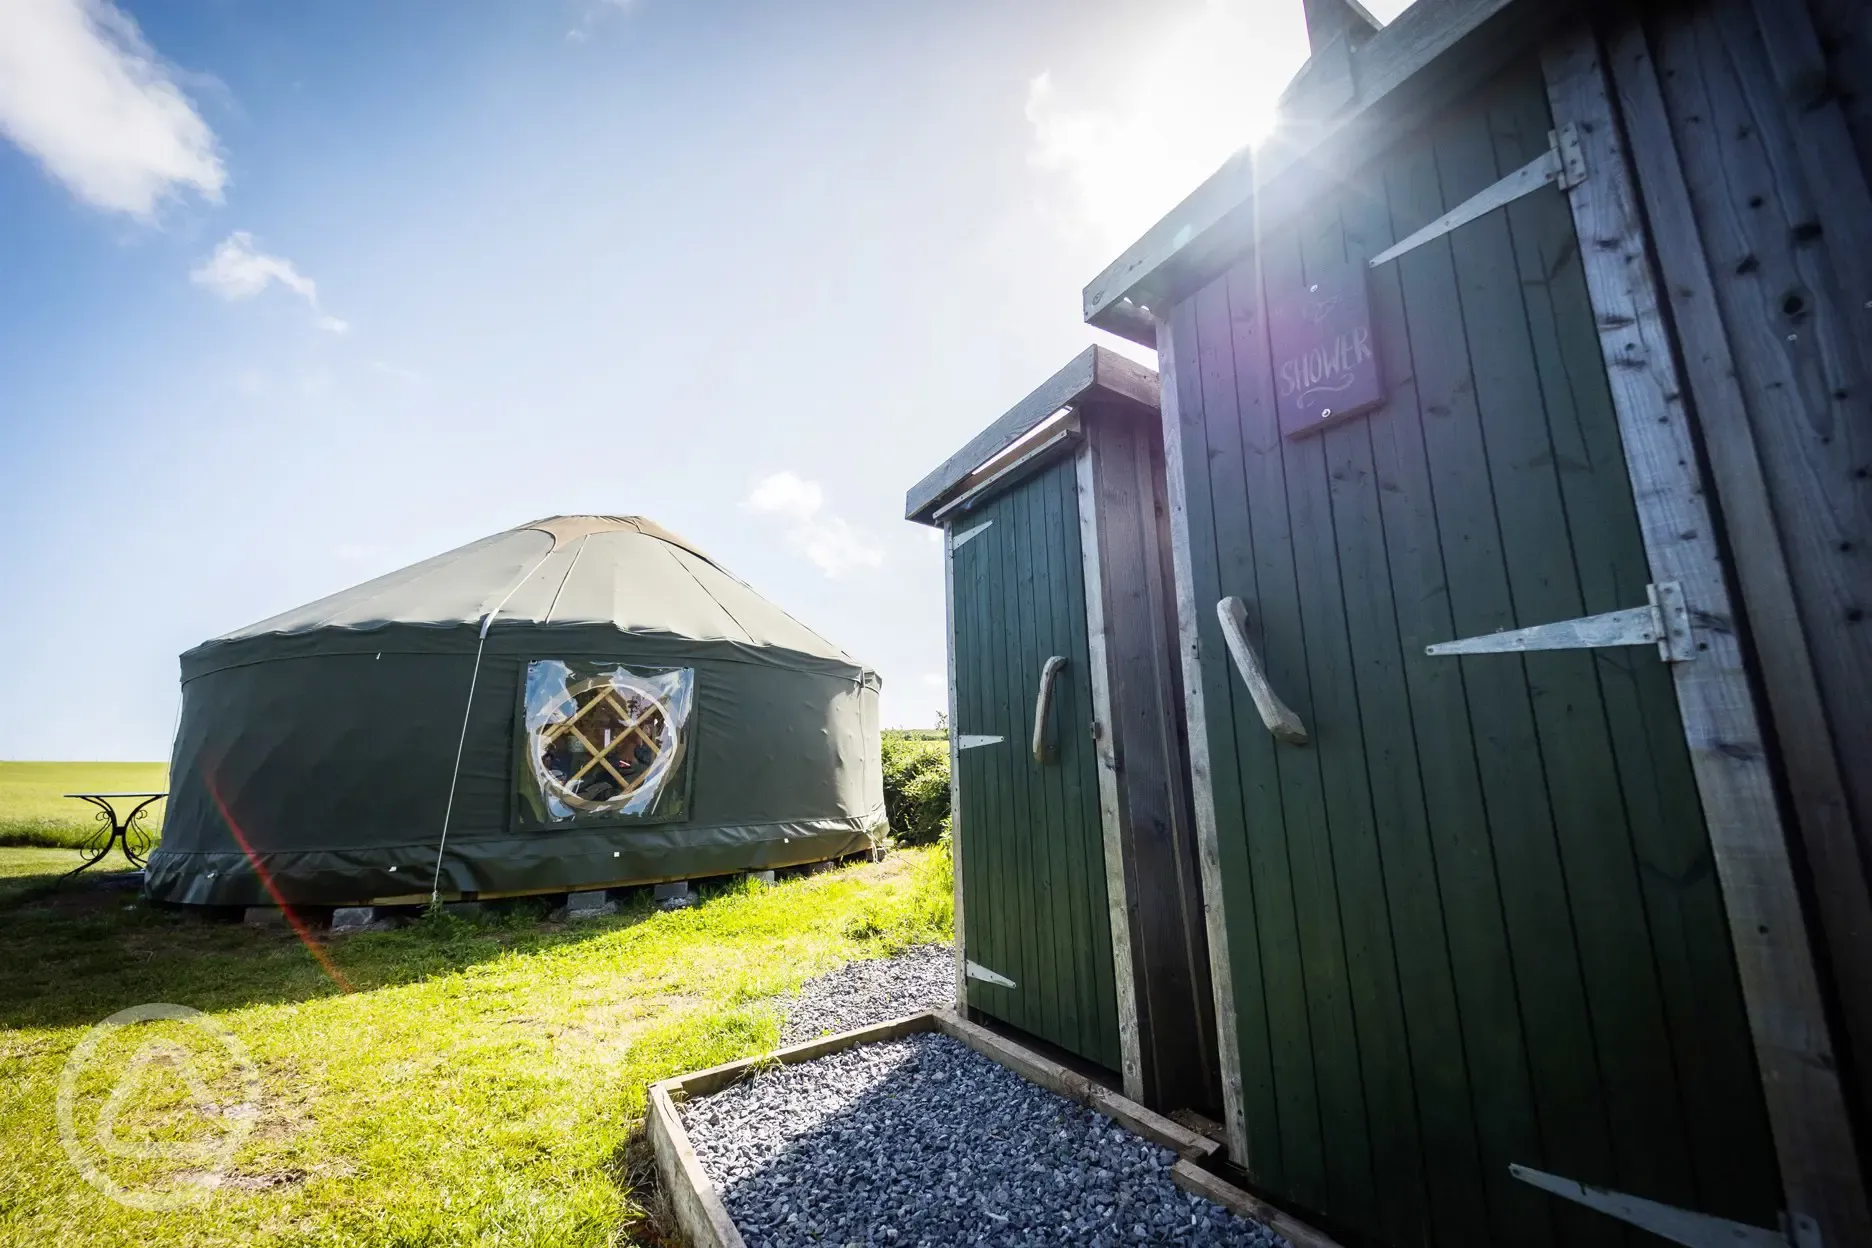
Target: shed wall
pixel 1752 132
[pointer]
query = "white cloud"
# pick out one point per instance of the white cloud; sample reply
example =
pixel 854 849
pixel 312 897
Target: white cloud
pixel 1203 89
pixel 83 93
pixel 826 540
pixel 239 270
pixel 594 11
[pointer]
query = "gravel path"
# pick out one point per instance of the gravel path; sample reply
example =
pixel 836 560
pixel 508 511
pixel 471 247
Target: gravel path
pixel 923 1143
pixel 859 994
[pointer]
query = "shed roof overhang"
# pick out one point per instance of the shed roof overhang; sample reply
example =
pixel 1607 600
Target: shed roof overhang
pixel 1360 91
pixel 1097 375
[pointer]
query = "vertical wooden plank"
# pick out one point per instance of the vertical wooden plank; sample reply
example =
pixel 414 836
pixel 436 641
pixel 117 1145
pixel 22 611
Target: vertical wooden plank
pixel 955 643
pixel 1328 540
pixel 1810 346
pixel 1725 1131
pixel 1414 305
pixel 1060 616
pixel 1844 28
pixel 1079 782
pixel 1087 953
pixel 999 635
pixel 1119 887
pixel 1819 1162
pixel 1371 541
pixel 977 783
pixel 1055 1013
pixel 1156 792
pixel 1632 1050
pixel 1836 865
pixel 1257 816
pixel 1303 833
pixel 1241 1028
pixel 1518 807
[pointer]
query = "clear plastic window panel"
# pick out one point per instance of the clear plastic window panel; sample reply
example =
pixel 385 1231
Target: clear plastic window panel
pixel 603 741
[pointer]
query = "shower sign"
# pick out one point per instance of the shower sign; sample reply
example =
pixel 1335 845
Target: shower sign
pixel 1325 363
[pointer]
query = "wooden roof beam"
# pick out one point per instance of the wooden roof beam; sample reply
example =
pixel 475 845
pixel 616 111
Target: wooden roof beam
pixel 1095 373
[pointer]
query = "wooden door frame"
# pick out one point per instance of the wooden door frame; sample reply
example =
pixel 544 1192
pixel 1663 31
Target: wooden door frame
pixel 1202 791
pixel 955 768
pixel 1821 1178
pixel 1111 810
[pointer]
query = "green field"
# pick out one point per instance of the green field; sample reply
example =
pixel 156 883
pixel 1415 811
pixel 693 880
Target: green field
pixel 451 1082
pixel 34 810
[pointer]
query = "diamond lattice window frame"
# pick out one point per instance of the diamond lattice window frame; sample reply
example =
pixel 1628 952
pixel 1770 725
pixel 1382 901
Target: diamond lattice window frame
pixel 601 742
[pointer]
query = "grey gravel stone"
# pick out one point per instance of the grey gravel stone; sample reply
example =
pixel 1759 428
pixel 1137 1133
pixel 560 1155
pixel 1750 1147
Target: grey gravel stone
pixel 923 1143
pixel 875 991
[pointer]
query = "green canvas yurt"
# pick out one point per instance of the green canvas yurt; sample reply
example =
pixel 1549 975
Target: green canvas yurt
pixel 577 703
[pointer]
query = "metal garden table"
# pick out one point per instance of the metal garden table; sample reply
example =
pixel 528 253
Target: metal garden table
pixel 114 829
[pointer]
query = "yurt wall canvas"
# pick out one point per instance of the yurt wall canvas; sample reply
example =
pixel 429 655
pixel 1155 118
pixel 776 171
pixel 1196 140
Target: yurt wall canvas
pixel 678 725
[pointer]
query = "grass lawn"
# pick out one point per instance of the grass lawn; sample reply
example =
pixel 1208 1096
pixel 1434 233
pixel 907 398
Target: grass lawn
pixel 452 1082
pixel 34 810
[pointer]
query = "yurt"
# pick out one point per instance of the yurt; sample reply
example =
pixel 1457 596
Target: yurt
pixel 578 703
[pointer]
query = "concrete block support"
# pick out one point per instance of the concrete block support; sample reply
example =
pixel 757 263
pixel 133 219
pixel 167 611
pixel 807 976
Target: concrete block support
pixel 674 895
pixel 264 916
pixel 590 905
pixel 352 919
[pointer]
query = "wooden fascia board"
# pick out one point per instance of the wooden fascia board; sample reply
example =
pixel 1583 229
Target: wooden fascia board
pixel 1432 53
pixel 1097 373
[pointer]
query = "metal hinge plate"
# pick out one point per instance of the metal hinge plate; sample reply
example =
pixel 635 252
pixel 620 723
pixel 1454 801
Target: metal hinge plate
pixel 1563 163
pixel 977 971
pixel 968 741
pixel 958 540
pixel 1680 1226
pixel 1664 621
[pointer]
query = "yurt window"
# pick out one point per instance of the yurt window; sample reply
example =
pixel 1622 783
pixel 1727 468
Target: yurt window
pixel 604 742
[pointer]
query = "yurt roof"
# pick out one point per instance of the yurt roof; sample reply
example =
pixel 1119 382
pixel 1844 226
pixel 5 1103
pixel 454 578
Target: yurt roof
pixel 623 571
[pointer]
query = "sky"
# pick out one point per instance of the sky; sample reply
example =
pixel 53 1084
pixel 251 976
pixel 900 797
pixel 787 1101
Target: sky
pixel 292 295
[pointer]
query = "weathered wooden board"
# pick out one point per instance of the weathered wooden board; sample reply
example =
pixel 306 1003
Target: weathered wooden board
pixel 1792 688
pixel 1806 1111
pixel 1140 755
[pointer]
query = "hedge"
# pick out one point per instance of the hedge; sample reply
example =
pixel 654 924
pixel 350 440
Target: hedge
pixel 916 786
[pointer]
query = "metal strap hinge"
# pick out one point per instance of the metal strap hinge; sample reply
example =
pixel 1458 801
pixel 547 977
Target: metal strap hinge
pixel 970 741
pixel 1680 1226
pixel 976 970
pixel 958 540
pixel 1664 621
pixel 1563 163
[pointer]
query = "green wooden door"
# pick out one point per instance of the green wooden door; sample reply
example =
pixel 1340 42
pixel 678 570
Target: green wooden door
pixel 1474 921
pixel 1036 932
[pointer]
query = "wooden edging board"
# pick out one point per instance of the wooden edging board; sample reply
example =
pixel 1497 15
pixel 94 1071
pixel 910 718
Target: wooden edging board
pixel 704 1219
pixel 1192 1178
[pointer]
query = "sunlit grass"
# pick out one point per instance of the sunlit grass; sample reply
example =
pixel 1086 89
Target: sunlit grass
pixel 477 1086
pixel 34 810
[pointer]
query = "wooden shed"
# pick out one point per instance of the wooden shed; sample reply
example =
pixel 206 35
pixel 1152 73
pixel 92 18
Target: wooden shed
pixel 1517 403
pixel 1078 899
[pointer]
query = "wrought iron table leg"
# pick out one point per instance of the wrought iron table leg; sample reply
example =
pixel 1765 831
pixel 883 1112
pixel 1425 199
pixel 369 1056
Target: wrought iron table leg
pixel 120 830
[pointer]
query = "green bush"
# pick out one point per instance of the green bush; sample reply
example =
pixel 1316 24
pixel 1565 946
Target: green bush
pixel 916 786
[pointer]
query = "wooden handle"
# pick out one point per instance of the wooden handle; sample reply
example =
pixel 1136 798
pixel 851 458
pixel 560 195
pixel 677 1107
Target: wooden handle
pixel 1276 714
pixel 1043 705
